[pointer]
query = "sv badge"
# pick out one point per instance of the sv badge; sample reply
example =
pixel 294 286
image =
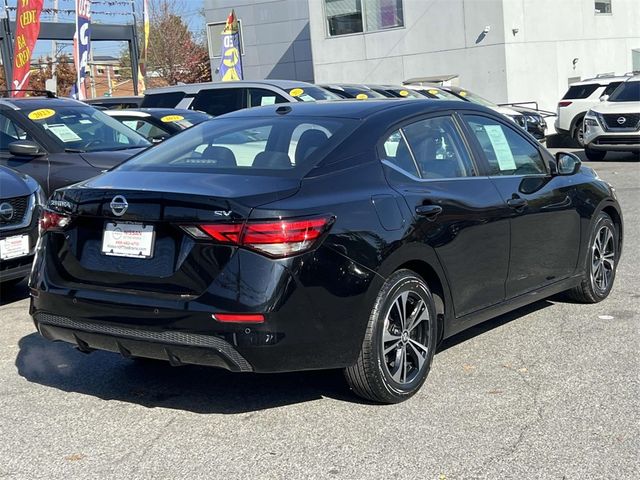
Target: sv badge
pixel 223 213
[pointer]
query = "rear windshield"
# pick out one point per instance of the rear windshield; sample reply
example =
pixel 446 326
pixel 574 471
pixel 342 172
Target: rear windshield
pixel 254 146
pixel 627 92
pixel 162 100
pixel 580 91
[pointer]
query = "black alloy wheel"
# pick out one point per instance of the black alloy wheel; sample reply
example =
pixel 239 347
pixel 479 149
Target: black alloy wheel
pixel 601 263
pixel 399 343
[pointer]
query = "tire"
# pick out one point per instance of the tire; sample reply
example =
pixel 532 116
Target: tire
pixel 410 341
pixel 595 155
pixel 578 132
pixel 601 262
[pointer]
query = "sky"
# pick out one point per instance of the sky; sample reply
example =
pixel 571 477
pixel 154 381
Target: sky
pixel 105 11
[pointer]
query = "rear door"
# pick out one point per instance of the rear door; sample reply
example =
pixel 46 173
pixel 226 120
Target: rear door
pixel 545 225
pixel 456 212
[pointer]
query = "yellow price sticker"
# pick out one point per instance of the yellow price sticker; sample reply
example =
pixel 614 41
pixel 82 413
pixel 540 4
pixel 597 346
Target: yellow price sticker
pixel 463 93
pixel 41 114
pixel 171 118
pixel 296 92
pixel 404 93
pixel 433 92
pixel 362 96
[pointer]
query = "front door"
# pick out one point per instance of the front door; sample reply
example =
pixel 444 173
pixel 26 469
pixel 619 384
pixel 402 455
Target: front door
pixel 545 225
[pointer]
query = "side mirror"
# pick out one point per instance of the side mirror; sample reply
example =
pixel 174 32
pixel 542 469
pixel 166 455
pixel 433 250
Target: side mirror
pixel 604 98
pixel 25 148
pixel 567 163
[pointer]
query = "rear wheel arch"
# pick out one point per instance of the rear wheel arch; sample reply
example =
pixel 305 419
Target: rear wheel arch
pixel 617 221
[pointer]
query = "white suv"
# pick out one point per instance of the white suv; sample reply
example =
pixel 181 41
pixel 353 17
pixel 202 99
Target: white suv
pixel 580 97
pixel 614 124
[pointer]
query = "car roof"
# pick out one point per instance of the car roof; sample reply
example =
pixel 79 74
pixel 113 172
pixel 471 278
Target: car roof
pixel 132 98
pixel 40 102
pixel 195 87
pixel 604 80
pixel 356 109
pixel 153 112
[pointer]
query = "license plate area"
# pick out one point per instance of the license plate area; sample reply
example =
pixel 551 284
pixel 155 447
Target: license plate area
pixel 128 239
pixel 14 247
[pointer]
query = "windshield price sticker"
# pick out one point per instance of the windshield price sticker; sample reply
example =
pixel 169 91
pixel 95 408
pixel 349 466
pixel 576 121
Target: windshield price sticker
pixel 64 133
pixel 500 147
pixel 296 92
pixel 41 114
pixel 362 96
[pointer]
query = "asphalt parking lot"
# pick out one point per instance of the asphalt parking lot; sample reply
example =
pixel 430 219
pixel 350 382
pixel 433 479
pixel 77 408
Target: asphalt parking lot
pixel 549 391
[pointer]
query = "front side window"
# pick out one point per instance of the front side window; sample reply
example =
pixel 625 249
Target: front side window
pixel 162 100
pixel 507 152
pixel 218 101
pixel 611 87
pixel 83 129
pixel 260 96
pixel 356 16
pixel 627 92
pixel 10 132
pixel 254 146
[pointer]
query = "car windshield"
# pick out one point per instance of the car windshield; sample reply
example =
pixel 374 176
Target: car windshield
pixel 474 98
pixel 363 92
pixel 626 92
pixel 308 93
pixel 78 128
pixel 253 146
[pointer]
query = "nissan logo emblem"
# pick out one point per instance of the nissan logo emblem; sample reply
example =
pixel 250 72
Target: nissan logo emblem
pixel 119 205
pixel 6 211
pixel 621 120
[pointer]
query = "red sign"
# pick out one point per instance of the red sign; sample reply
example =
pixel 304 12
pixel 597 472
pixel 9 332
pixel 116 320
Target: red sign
pixel 27 30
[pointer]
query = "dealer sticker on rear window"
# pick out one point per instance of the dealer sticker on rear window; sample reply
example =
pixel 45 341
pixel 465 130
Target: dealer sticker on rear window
pixel 41 114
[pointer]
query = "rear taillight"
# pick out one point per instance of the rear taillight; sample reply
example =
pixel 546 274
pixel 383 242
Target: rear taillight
pixel 279 238
pixel 564 104
pixel 53 221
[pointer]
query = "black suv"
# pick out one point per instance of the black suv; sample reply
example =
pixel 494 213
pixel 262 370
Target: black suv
pixel 21 199
pixel 62 141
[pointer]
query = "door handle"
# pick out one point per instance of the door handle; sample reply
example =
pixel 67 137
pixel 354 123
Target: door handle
pixel 517 203
pixel 429 211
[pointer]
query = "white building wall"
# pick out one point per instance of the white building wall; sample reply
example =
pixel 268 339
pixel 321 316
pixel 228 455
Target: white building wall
pixel 444 37
pixel 539 57
pixel 439 37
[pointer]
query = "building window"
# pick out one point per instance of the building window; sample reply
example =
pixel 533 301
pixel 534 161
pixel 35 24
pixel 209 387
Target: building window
pixel 214 37
pixel 357 16
pixel 603 7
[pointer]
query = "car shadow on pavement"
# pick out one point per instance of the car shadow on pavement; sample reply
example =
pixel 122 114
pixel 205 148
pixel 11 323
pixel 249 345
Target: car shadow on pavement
pixel 193 388
pixel 496 322
pixel 157 384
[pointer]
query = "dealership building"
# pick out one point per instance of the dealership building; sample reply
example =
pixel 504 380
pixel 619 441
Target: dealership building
pixel 505 50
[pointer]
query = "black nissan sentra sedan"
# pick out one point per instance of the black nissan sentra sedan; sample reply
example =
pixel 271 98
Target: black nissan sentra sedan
pixel 351 235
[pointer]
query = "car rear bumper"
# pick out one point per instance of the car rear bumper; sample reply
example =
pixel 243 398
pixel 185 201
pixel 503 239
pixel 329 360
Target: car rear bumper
pixel 178 348
pixel 15 268
pixel 314 320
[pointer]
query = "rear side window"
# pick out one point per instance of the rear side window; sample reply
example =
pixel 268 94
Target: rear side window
pixel 260 96
pixel 576 92
pixel 162 100
pixel 218 101
pixel 254 146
